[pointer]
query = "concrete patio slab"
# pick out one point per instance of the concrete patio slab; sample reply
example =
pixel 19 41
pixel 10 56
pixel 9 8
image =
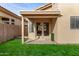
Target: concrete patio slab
pixel 39 41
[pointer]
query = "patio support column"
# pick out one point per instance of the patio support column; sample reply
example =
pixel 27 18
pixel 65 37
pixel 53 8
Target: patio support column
pixel 35 29
pixel 22 30
pixel 42 29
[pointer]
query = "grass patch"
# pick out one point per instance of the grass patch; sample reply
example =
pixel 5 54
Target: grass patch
pixel 15 48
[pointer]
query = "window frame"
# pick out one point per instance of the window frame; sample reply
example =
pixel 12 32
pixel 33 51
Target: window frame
pixel 73 22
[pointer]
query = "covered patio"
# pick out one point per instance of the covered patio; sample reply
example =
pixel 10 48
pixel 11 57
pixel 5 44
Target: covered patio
pixel 40 25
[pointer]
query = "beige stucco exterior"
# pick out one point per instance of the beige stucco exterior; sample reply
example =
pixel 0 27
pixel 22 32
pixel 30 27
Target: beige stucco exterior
pixel 7 14
pixel 64 33
pixel 10 25
pixel 60 25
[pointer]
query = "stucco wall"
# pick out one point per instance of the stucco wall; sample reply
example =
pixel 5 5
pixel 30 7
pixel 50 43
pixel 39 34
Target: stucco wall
pixel 17 21
pixel 64 33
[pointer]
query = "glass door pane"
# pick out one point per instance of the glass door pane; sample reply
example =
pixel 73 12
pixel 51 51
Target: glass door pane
pixel 39 29
pixel 46 28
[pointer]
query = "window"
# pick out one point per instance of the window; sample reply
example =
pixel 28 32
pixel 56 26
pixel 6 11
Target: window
pixel 12 21
pixel 5 20
pixel 74 22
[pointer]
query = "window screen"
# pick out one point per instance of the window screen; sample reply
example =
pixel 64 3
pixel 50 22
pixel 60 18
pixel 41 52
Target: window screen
pixel 74 22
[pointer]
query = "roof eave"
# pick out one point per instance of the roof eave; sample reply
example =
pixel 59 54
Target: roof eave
pixel 44 6
pixel 35 13
pixel 9 12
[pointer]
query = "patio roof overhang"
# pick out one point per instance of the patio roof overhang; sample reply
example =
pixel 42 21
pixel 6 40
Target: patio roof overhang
pixel 36 14
pixel 40 14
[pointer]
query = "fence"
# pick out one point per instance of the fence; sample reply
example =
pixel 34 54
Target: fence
pixel 8 32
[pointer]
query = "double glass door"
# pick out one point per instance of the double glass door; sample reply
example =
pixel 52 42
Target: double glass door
pixel 42 29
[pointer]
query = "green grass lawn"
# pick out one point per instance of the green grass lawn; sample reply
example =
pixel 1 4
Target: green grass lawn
pixel 15 48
